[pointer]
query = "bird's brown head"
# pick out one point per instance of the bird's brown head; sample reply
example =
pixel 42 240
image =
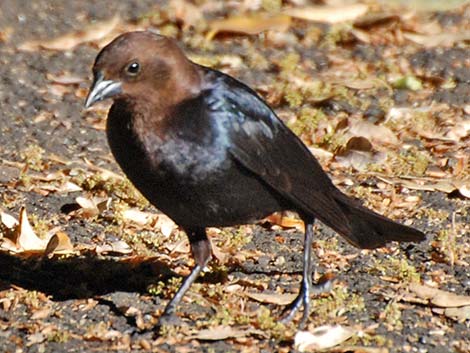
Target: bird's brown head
pixel 142 65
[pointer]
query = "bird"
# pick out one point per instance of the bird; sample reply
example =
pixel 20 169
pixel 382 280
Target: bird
pixel 208 151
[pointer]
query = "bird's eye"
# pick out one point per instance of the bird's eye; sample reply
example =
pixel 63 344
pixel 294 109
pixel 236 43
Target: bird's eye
pixel 133 68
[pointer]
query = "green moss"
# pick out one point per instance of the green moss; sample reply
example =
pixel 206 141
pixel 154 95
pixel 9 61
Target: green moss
pixel 122 188
pixel 271 5
pixel 165 289
pixel 33 157
pixel 307 121
pixel 446 245
pixel 337 33
pixel 399 268
pixel 169 30
pixel 40 225
pixel 337 304
pixel 409 162
pixel 408 82
pixel 293 96
pixel 59 336
pixel 268 322
pixel 392 315
pixel 289 64
pixel 256 60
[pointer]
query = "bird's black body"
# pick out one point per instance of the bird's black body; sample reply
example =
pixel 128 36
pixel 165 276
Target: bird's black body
pixel 212 153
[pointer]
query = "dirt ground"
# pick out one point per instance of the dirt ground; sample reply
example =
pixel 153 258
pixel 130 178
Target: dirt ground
pixel 383 100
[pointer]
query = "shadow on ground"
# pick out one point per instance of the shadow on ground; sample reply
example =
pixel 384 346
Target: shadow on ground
pixel 81 277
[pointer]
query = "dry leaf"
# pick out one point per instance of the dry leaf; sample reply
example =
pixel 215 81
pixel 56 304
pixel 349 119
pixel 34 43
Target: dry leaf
pixel 219 333
pixel 459 314
pixel 59 244
pixel 439 297
pixel 137 216
pixel 218 253
pixel 435 40
pixel 92 207
pixel 65 79
pixel 372 132
pixel 27 239
pixel 429 184
pixel 361 349
pixel 8 220
pixel 272 298
pixel 358 153
pixel 69 41
pixel 186 12
pixel 22 236
pixel 117 247
pixel 249 25
pixel 322 337
pixel 280 219
pixel 41 314
pixel 329 14
pixel 165 224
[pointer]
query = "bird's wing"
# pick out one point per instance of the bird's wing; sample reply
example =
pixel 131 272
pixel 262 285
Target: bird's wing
pixel 264 145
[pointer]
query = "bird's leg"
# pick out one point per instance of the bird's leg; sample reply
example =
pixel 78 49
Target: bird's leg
pixel 201 250
pixel 303 298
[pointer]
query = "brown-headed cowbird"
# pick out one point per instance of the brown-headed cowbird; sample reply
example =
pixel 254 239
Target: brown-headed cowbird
pixel 206 150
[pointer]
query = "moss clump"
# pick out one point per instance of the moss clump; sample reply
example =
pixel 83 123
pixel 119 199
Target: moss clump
pixel 122 188
pixel 337 304
pixel 271 5
pixel 446 245
pixel 59 336
pixel 289 64
pixel 398 268
pixel 293 96
pixel 33 157
pixel 392 315
pixel 268 322
pixel 307 122
pixel 165 289
pixel 409 162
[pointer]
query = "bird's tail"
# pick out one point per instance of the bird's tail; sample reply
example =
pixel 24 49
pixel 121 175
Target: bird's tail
pixel 369 230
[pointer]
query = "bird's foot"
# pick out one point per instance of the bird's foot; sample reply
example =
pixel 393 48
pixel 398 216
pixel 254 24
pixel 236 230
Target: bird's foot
pixel 302 300
pixel 324 285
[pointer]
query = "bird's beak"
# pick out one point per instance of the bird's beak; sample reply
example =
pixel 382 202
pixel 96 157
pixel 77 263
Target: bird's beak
pixel 102 89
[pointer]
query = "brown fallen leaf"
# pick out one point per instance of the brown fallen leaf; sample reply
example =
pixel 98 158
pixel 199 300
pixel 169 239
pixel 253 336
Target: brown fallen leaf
pixel 272 298
pixel 360 349
pixel 435 40
pixel 70 40
pixel 65 79
pixel 248 24
pixel 280 219
pixel 372 132
pixel 185 12
pixel 117 247
pixel 41 314
pixel 21 236
pixel 165 224
pixel 218 253
pixel 458 314
pixel 439 297
pixel 328 14
pixel 429 184
pixel 322 337
pixel 59 243
pixel 359 153
pixel 219 333
pixel 138 217
pixel 91 207
pixel 105 174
